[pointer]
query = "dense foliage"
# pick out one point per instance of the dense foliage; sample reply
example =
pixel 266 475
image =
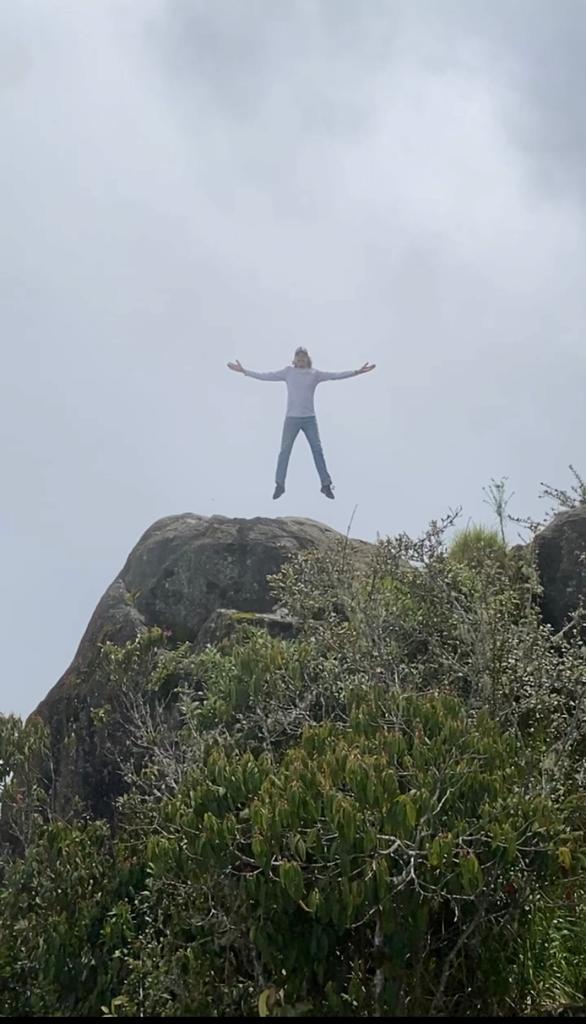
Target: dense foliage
pixel 382 816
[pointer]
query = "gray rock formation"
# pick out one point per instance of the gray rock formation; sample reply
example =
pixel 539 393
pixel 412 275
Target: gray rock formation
pixel 199 578
pixel 560 550
pixel 183 569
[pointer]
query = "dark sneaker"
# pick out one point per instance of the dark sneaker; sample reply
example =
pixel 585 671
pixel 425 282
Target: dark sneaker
pixel 279 490
pixel 327 490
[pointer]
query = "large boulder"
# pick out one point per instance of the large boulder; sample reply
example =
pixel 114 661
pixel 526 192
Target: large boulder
pixel 183 575
pixel 560 549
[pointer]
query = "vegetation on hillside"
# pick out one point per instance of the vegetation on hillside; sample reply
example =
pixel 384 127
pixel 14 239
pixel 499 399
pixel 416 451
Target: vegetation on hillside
pixel 383 816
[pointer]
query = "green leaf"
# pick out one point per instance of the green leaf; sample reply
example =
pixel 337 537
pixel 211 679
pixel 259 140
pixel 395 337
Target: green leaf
pixel 259 849
pixel 370 841
pixel 435 853
pixel 471 873
pixel 292 879
pixel 300 848
pixel 382 878
pixel 565 857
pixel 263 1002
pixel 409 809
pixel 313 900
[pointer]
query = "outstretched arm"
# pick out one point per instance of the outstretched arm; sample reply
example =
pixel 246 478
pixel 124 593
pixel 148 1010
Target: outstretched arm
pixel 324 375
pixel 273 375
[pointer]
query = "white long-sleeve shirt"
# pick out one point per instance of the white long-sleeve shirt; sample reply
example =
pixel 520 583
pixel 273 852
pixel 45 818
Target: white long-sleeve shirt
pixel 301 384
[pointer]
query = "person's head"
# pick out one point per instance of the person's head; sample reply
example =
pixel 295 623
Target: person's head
pixel 302 359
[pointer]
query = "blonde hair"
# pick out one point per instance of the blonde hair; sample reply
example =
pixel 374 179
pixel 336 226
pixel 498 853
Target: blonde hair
pixel 302 351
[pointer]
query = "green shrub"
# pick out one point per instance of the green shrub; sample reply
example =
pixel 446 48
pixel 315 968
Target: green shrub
pixel 476 544
pixel 383 815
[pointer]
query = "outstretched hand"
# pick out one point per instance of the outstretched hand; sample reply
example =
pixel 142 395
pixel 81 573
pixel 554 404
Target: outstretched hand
pixel 366 368
pixel 237 366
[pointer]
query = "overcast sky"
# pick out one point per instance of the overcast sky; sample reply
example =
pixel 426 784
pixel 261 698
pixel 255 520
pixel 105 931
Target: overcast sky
pixel 184 182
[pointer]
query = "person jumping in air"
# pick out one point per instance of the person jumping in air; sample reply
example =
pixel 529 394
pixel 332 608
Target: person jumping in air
pixel 301 380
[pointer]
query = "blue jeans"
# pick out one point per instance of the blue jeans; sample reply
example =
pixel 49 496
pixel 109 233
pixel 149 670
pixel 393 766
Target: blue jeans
pixel 291 427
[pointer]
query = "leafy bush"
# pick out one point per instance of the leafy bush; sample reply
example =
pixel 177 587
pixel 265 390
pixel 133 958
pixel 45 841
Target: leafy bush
pixel 391 865
pixel 383 816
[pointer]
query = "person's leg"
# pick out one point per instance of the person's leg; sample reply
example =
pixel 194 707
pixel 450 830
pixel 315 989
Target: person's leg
pixel 291 428
pixel 311 431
